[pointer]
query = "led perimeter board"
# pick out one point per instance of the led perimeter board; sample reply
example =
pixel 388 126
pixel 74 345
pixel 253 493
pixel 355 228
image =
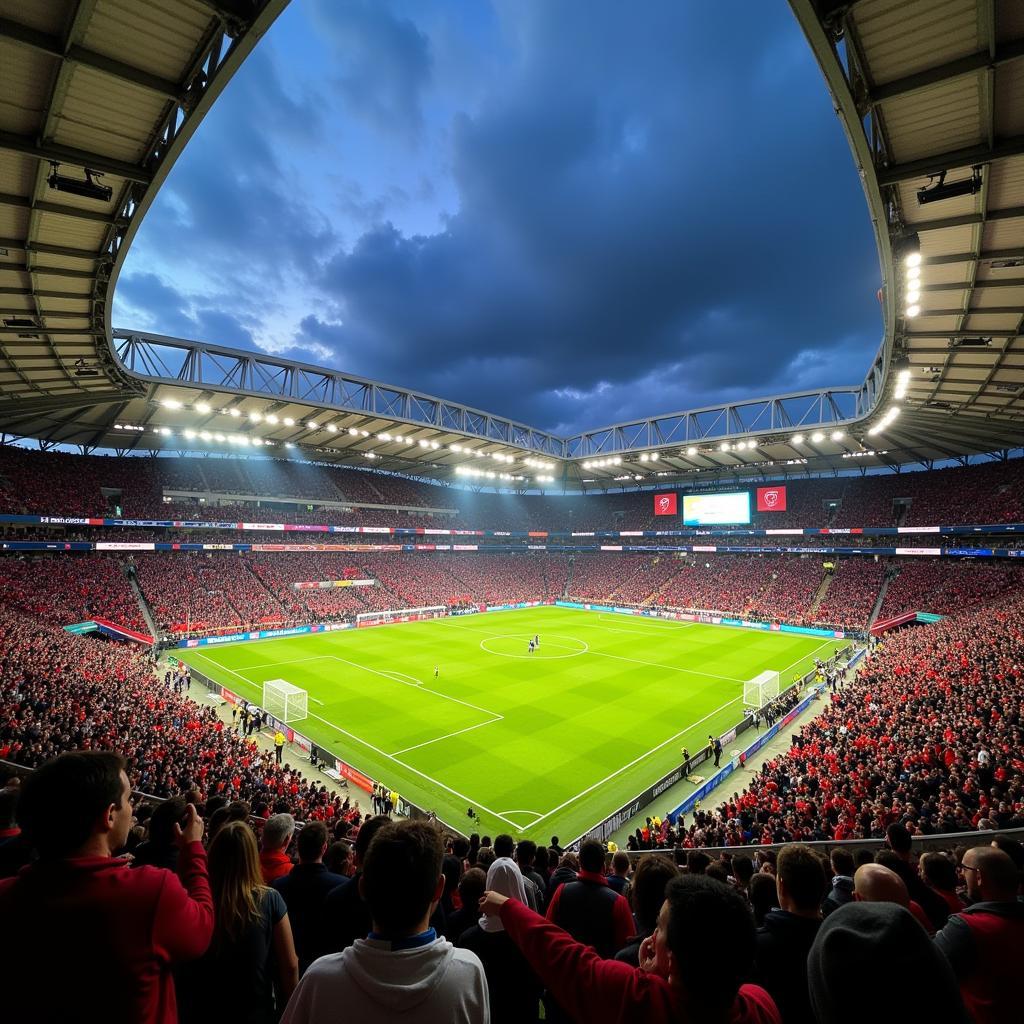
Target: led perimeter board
pixel 716 509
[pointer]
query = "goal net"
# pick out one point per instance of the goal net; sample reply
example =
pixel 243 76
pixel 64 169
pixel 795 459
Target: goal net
pixel 287 703
pixel 401 615
pixel 761 690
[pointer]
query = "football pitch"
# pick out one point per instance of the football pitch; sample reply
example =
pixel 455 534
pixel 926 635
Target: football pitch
pixel 537 744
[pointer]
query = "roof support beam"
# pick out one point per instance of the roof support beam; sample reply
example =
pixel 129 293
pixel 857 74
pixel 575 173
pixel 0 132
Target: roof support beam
pixel 1004 53
pixel 1010 213
pixel 21 268
pixel 66 154
pixel 84 296
pixel 967 157
pixel 50 250
pixel 914 335
pixel 24 203
pixel 97 61
pixel 971 257
pixel 962 286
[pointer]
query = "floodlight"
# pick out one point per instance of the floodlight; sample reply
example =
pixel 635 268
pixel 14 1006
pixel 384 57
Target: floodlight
pixel 234 413
pixel 202 407
pixel 939 190
pixel 724 446
pixel 171 403
pixel 654 456
pixel 691 450
pixel 205 435
pixel 190 434
pixel 218 437
pixel 817 437
pixel 273 419
pixel 165 432
pixel 837 435
pixel 912 311
pixel 289 422
pixel 332 428
pixel 797 439
pixel 312 425
pixel 87 189
pixel 255 417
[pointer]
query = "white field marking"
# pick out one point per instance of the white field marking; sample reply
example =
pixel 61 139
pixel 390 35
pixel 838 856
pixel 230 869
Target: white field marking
pixel 315 701
pixel 533 814
pixel 635 761
pixel 576 652
pixel 400 676
pixel 277 664
pixel 603 654
pixel 377 750
pixel 448 736
pixel 811 655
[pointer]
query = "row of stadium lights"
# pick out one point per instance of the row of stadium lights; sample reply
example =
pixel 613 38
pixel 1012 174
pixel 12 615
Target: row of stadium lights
pixel 204 409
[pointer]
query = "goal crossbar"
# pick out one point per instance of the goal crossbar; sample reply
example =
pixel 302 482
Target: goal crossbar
pixel 761 690
pixel 285 701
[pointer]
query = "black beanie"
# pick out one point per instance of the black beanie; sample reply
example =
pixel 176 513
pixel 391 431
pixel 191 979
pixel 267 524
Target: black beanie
pixel 874 961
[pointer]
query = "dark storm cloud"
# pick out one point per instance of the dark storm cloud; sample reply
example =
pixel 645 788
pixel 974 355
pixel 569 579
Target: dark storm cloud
pixel 385 58
pixel 639 214
pixel 644 227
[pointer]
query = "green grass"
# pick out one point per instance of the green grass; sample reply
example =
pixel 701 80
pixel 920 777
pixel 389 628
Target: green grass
pixel 538 744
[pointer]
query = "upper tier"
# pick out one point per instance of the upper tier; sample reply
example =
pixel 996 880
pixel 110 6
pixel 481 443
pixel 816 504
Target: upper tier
pixel 60 484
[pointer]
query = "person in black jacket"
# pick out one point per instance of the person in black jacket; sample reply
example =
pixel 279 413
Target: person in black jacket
pixel 512 986
pixel 345 916
pixel 646 895
pixel 897 838
pixel 160 849
pixel 305 889
pixel 786 937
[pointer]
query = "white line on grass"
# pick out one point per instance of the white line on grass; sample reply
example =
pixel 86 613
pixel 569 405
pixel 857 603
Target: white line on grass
pixel 811 655
pixel 448 736
pixel 635 761
pixel 377 750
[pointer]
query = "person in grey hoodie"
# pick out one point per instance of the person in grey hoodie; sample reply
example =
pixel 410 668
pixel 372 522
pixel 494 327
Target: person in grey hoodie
pixel 402 971
pixel 842 881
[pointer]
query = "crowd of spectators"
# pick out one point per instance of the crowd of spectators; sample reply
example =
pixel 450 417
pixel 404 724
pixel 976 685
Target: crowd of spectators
pixel 195 913
pixel 944 586
pixel 852 592
pixel 79 485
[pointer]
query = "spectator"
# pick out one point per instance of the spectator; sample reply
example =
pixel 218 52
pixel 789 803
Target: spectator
pixel 252 941
pixel 526 858
pixel 305 889
pixel 898 840
pixel 504 846
pixel 763 895
pixel 346 916
pixel 873 961
pixel 472 886
pixel 984 944
pixel 568 865
pixel 876 883
pixel 513 987
pixel 15 851
pixel 678 979
pixel 646 895
pixel 619 878
pixel 339 859
pixel 402 971
pixel 939 873
pixel 785 938
pixel 590 911
pixel 277 836
pixel 842 881
pixel 160 848
pixel 84 914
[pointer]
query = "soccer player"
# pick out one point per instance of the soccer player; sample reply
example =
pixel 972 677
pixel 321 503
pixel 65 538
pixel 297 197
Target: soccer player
pixel 435 671
pixel 530 647
pixel 536 640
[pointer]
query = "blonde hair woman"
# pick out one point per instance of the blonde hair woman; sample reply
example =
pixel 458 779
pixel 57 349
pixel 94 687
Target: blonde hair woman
pixel 251 967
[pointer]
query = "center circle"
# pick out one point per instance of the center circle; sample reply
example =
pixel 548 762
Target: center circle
pixel 552 646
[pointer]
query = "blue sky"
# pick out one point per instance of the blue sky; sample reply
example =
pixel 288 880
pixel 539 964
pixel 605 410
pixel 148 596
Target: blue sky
pixel 572 212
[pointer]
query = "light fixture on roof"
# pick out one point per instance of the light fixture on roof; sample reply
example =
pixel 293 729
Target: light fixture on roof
pixel 909 250
pixel 234 413
pixel 202 407
pixel 332 428
pixel 817 437
pixel 691 451
pixel 272 419
pixel 313 425
pixel 837 435
pixel 171 403
pixel 255 417
pixel 289 422
pixel 913 310
pixel 939 190
pixel 87 189
pixel 724 446
pixel 797 439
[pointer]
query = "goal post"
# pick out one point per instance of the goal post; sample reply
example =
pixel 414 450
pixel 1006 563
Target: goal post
pixel 436 611
pixel 761 690
pixel 286 702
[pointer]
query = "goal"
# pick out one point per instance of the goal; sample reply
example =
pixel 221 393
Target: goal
pixel 760 690
pixel 401 615
pixel 287 703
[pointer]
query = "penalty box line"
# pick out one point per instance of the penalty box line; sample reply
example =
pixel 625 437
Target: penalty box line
pixel 382 753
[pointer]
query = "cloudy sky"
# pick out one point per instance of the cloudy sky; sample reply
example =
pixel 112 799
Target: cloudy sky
pixel 570 212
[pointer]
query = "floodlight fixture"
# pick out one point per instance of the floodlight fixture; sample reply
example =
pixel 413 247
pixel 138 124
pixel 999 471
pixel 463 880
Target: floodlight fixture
pixel 272 419
pixel 913 310
pixel 289 422
pixel 313 425
pixel 797 439
pixel 234 413
pixel 87 189
pixel 171 403
pixel 255 417
pixel 837 435
pixel 817 437
pixel 939 189
pixel 691 451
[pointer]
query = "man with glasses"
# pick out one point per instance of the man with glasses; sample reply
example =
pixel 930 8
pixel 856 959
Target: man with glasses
pixel 984 943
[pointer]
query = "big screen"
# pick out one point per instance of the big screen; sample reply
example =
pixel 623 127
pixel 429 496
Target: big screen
pixel 716 509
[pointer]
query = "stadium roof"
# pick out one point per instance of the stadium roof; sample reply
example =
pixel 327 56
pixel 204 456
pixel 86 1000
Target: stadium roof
pixel 116 88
